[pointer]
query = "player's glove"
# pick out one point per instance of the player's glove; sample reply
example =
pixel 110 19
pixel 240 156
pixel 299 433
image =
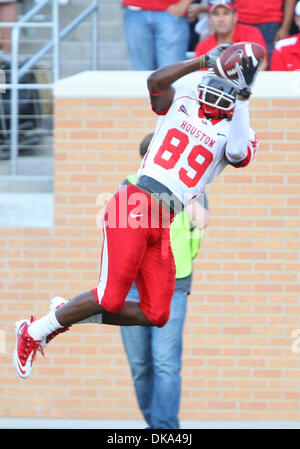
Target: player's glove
pixel 246 76
pixel 212 55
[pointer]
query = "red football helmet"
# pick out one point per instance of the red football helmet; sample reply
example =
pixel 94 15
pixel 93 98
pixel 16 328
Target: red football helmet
pixel 216 96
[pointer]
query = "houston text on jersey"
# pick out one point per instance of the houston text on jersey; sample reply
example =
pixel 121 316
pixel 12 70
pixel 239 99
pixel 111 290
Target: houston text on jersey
pixel 191 129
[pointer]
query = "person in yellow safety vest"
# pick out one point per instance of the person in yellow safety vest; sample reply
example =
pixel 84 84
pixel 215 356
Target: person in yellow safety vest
pixel 155 354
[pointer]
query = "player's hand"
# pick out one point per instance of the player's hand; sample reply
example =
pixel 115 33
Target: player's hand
pixel 194 10
pixel 212 55
pixel 246 76
pixel 282 33
pixel 179 9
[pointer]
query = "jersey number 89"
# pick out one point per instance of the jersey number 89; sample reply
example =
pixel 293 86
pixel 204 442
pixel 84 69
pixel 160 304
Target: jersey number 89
pixel 176 149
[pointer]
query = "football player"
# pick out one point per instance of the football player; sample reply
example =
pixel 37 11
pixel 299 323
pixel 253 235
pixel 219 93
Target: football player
pixel 196 137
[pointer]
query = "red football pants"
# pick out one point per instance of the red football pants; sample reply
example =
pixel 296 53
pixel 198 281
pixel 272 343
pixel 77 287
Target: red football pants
pixel 136 248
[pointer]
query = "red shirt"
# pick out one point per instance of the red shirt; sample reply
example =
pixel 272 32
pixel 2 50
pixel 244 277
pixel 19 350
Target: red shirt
pixel 259 11
pixel 286 55
pixel 151 5
pixel 242 33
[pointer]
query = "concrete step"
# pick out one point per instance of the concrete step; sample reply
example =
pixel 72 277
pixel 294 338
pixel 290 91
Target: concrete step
pixel 76 47
pixel 22 210
pixel 32 166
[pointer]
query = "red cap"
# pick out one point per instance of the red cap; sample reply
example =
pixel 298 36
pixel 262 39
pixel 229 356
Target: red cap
pixel 213 4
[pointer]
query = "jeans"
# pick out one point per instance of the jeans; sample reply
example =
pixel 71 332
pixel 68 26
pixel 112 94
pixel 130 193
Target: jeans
pixel 155 38
pixel 269 30
pixel 154 355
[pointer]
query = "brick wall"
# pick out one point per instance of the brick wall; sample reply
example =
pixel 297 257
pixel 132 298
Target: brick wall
pixel 238 361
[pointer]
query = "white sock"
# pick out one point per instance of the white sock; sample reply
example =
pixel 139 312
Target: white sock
pixel 43 327
pixel 97 319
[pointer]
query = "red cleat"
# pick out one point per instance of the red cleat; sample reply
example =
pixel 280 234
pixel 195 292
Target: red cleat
pixel 25 349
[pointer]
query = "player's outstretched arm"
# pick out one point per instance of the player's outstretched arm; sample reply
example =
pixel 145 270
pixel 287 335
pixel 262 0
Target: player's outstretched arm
pixel 238 139
pixel 161 80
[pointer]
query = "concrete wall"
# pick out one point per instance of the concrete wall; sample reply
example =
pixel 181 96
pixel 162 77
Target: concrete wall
pixel 238 362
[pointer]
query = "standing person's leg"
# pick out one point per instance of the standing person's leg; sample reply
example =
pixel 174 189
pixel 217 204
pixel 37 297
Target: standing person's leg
pixel 172 36
pixel 269 30
pixel 167 353
pixel 156 282
pixel 140 38
pixel 137 344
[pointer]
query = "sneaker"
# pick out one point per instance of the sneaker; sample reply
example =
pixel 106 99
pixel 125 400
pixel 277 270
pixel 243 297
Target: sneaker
pixel 55 303
pixel 25 349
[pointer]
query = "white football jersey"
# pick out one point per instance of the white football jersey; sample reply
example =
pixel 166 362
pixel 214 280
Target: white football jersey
pixel 187 150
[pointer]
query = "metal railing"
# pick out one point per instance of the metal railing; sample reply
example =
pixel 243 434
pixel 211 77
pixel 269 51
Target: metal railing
pixel 54 44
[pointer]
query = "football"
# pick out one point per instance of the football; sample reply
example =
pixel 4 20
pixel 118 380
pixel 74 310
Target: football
pixel 225 63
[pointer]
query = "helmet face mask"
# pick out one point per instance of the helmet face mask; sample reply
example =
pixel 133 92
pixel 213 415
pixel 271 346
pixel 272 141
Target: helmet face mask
pixel 217 93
